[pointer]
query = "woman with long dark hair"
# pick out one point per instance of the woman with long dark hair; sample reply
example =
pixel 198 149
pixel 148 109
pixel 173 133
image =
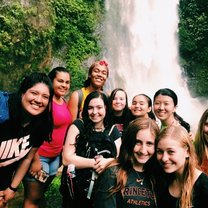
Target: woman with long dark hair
pixel 29 123
pixel 165 103
pixel 121 115
pixel 48 158
pixel 91 144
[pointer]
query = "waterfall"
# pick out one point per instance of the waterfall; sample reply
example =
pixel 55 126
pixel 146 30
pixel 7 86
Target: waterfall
pixel 140 43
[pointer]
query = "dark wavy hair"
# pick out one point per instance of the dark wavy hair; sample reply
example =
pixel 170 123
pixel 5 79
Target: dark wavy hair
pixel 200 140
pixel 52 74
pixel 172 94
pixel 15 103
pixel 85 114
pixel 87 132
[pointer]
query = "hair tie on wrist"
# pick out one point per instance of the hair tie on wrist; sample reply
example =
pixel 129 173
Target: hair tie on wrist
pixel 12 188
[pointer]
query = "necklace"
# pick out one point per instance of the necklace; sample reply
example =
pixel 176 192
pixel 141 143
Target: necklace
pixel 139 179
pixel 99 129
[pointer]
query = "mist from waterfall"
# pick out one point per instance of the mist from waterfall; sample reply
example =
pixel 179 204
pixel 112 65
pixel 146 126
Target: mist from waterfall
pixel 140 43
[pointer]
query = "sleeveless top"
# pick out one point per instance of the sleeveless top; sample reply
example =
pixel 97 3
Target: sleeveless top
pixel 85 93
pixel 62 119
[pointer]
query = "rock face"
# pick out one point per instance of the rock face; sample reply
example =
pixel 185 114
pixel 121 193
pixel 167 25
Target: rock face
pixel 40 15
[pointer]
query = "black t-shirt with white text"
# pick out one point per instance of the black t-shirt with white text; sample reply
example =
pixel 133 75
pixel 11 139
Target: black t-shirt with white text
pixel 15 144
pixel 134 194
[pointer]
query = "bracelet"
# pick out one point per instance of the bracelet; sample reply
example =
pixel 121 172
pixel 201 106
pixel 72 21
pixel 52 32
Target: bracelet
pixel 12 188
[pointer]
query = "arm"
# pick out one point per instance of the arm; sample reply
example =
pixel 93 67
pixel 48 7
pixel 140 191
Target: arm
pixel 73 105
pixel 101 163
pixel 36 165
pixel 69 151
pixel 19 174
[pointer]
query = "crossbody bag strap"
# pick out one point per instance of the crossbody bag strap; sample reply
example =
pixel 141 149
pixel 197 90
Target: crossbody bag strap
pixel 109 133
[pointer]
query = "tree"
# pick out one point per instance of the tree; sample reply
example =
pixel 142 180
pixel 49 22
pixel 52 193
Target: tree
pixel 25 40
pixel 193 34
pixel 35 34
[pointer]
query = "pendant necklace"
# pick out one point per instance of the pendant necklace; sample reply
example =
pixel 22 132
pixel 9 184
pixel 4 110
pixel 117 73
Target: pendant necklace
pixel 99 129
pixel 139 179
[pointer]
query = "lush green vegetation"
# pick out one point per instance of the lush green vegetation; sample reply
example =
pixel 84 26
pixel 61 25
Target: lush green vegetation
pixel 193 34
pixel 36 34
pixel 76 34
pixel 25 39
pixel 52 196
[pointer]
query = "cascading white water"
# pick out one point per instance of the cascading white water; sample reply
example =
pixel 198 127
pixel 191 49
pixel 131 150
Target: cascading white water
pixel 141 45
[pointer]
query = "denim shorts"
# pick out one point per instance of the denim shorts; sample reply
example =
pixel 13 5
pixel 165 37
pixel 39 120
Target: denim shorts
pixel 49 164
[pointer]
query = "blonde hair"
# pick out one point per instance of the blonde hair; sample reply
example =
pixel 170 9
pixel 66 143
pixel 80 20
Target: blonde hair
pixel 181 135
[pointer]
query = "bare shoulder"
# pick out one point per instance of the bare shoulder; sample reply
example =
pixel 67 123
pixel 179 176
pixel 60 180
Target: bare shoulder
pixel 74 96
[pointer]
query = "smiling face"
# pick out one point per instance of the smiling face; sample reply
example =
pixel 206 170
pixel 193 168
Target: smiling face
pixel 97 111
pixel 119 101
pixel 98 76
pixel 140 106
pixel 171 155
pixel 164 108
pixel 61 84
pixel 144 148
pixel 36 99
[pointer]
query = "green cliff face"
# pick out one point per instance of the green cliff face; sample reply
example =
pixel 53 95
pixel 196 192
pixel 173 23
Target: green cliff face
pixel 36 35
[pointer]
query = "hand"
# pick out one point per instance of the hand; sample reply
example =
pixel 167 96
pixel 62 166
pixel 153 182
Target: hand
pixel 36 174
pixel 1 198
pixel 7 195
pixel 101 163
pixel 3 204
pixel 35 166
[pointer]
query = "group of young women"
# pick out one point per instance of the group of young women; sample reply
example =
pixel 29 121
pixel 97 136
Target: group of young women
pixel 157 167
pixel 150 159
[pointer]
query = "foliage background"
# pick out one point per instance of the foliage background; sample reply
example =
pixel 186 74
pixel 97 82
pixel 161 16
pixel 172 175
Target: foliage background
pixel 38 35
pixel 193 39
pixel 35 35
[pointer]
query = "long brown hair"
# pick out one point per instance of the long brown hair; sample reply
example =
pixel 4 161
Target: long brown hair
pixel 124 160
pixel 200 141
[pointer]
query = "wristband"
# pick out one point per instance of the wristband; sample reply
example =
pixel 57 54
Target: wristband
pixel 12 188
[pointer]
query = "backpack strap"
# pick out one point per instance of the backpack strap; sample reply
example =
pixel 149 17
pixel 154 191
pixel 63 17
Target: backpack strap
pixel 80 123
pixel 80 97
pixel 109 133
pixel 94 174
pixel 93 178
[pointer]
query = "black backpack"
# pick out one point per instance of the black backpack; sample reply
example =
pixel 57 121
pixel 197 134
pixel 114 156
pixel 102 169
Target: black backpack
pixel 84 181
